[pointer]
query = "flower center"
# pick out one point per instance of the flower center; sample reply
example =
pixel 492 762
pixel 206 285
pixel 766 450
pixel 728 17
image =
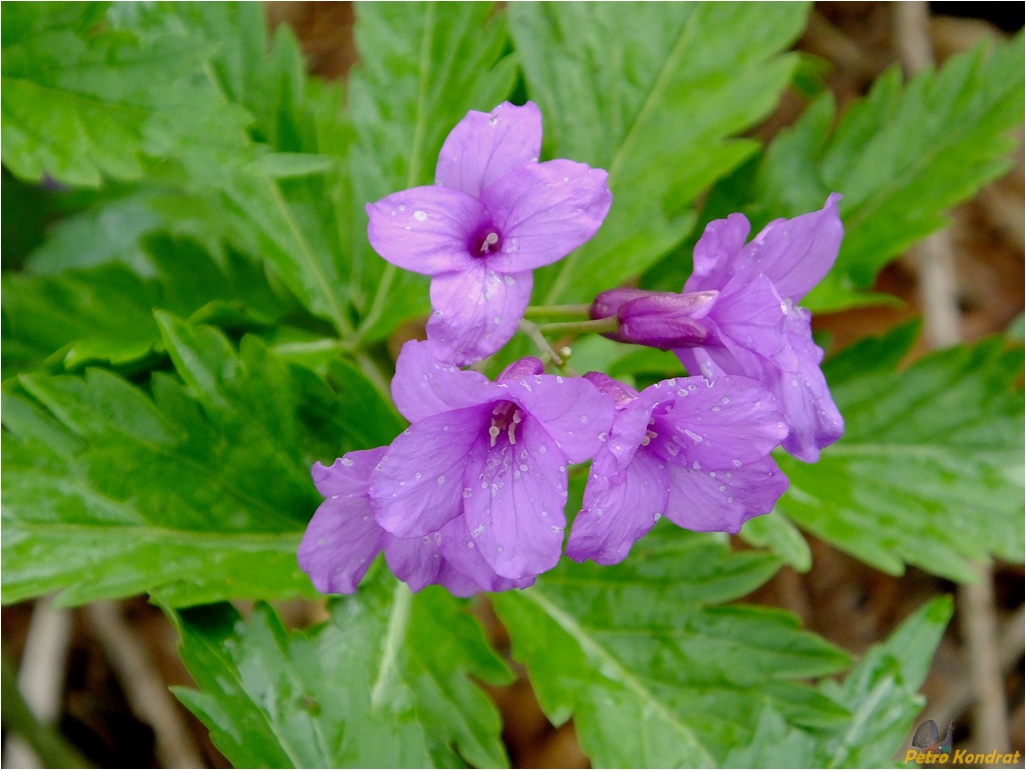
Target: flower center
pixel 485 240
pixel 505 419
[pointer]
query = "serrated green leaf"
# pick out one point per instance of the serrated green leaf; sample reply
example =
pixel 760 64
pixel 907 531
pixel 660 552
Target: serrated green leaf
pixel 775 532
pixel 652 92
pixel 199 493
pixel 881 694
pixel 654 676
pixel 422 67
pixel 929 471
pixel 901 157
pixel 103 315
pixel 383 684
pixel 83 101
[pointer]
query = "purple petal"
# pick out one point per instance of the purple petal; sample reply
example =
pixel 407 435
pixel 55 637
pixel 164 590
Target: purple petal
pixel 630 426
pixel 810 412
pixel 710 362
pixel 722 423
pixel 426 229
pixel 528 366
pixel 459 549
pixel 721 501
pixel 486 146
pixel 716 253
pixel 750 313
pixel 621 394
pixel 544 211
pixel 619 509
pixel 608 303
pixel 342 538
pixel 417 487
pixel 796 253
pixel 415 560
pixel 515 508
pixel 424 386
pixel 573 413
pixel 476 312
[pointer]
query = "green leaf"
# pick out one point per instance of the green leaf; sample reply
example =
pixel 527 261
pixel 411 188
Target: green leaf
pixel 901 157
pixel 929 471
pixel 384 683
pixel 881 694
pixel 198 493
pixel 81 103
pixel 776 532
pixel 282 165
pixel 103 315
pixel 653 93
pixel 422 66
pixel 654 675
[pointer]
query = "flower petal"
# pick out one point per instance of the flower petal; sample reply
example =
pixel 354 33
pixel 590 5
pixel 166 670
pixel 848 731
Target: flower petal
pixel 486 146
pixel 572 413
pixel 459 549
pixel 415 560
pixel 717 252
pixel 417 487
pixel 619 509
pixel 476 312
pixel 721 423
pixel 424 386
pixel 809 408
pixel 750 312
pixel 544 211
pixel 721 501
pixel 342 538
pixel 796 253
pixel 515 506
pixel 425 229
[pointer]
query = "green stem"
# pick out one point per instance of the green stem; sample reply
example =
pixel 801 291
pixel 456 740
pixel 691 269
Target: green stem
pixel 373 371
pixel 49 745
pixel 601 326
pixel 548 353
pixel 557 311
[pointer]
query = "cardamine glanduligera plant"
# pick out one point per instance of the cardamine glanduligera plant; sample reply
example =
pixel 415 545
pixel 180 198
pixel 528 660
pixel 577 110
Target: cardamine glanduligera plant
pixel 472 495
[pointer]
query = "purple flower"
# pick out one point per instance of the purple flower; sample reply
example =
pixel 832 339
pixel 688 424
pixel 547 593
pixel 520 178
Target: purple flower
pixel 738 316
pixel 489 456
pixel 343 539
pixel 494 215
pixel 691 449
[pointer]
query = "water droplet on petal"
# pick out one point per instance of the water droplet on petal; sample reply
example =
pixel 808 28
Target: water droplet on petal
pixel 420 216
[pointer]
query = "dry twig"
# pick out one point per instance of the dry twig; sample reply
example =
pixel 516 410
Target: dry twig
pixel 143 686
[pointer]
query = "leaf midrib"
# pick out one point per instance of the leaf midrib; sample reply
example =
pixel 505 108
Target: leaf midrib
pixel 659 85
pixel 610 661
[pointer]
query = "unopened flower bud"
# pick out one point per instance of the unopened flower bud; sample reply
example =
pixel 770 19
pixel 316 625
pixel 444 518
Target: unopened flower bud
pixel 666 319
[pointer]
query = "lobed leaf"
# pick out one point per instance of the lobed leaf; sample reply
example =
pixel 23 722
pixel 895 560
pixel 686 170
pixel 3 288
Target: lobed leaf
pixel 652 93
pixel 384 683
pixel 653 675
pixel 929 471
pixel 902 156
pixel 199 492
pixel 422 66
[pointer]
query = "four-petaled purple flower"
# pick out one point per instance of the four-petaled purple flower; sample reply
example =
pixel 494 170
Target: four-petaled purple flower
pixel 738 316
pixel 494 215
pixel 343 539
pixel 691 449
pixel 491 456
